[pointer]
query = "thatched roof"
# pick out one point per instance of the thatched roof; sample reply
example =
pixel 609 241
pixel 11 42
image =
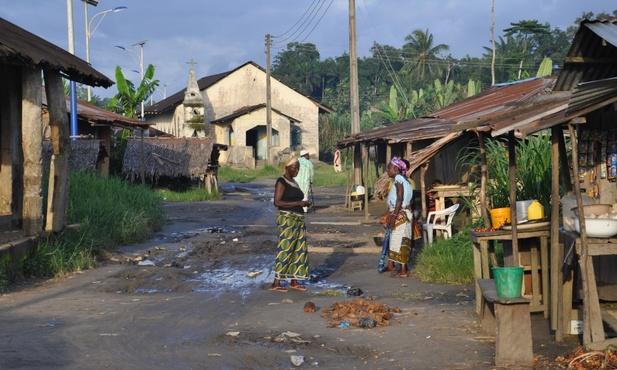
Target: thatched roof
pixel 84 154
pixel 177 157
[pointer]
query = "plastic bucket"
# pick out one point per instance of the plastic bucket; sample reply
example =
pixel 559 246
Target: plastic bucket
pixel 521 209
pixel 508 281
pixel 499 216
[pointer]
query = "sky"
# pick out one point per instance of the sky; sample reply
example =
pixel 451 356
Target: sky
pixel 220 35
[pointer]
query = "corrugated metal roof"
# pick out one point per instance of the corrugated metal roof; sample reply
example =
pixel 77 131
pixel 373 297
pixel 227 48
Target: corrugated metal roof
pixel 20 47
pixel 593 94
pixel 98 116
pixel 469 113
pixel 592 56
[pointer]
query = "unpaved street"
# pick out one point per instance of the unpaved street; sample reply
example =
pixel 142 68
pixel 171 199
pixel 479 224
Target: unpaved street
pixel 196 297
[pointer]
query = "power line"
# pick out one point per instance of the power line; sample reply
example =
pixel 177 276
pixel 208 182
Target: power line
pixel 308 16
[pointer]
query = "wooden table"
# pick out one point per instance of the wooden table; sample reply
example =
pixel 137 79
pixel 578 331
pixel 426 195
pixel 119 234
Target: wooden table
pixel 539 266
pixel 595 339
pixel 441 194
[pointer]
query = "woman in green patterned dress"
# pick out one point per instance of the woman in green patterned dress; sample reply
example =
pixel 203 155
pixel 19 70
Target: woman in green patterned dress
pixel 292 260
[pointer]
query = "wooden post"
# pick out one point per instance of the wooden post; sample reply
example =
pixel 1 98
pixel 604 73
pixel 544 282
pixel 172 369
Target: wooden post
pixel 10 137
pixel 483 178
pixel 592 318
pixel 513 259
pixel 423 170
pixel 32 146
pixel 59 172
pixel 555 266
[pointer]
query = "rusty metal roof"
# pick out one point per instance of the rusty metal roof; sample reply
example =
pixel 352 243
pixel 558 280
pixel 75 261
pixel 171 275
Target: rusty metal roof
pixel 493 102
pixel 22 48
pixel 97 116
pixel 592 56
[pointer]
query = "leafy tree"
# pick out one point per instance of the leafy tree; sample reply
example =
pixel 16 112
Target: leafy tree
pixel 421 55
pixel 298 66
pixel 526 33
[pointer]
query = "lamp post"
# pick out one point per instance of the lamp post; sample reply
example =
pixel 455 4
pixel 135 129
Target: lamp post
pixel 90 31
pixel 162 92
pixel 72 85
pixel 140 59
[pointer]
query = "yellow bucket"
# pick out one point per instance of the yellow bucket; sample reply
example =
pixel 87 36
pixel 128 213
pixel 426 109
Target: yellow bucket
pixel 499 216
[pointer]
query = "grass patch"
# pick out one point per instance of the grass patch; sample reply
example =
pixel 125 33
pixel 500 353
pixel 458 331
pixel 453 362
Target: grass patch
pixel 447 261
pixel 110 212
pixel 190 195
pixel 324 175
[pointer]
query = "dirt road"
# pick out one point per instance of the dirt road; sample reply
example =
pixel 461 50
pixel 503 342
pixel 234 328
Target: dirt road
pixel 196 297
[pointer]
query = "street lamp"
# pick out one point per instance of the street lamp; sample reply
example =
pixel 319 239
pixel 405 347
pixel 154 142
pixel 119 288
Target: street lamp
pixel 162 92
pixel 90 31
pixel 141 64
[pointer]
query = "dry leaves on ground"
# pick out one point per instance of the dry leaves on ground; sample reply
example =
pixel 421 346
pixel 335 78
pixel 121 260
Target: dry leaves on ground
pixel 353 311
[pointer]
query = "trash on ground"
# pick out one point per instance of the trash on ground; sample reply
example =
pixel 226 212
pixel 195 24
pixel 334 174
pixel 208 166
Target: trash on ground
pixel 352 311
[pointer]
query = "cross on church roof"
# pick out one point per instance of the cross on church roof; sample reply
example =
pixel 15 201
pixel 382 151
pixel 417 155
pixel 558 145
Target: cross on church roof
pixel 191 62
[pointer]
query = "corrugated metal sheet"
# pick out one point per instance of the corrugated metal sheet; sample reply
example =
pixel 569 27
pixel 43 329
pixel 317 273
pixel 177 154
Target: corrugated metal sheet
pixel 477 110
pixel 98 116
pixel 593 94
pixel 22 48
pixel 592 56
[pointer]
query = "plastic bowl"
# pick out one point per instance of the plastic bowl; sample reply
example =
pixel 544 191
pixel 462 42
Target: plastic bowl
pixel 598 227
pixel 378 239
pixel 596 209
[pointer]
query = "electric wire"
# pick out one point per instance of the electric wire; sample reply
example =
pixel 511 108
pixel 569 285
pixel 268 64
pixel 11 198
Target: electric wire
pixel 298 21
pixel 303 18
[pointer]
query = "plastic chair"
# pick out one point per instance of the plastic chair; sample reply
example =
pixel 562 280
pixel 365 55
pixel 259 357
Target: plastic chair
pixel 439 220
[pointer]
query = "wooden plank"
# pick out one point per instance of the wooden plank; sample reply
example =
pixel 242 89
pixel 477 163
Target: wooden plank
pixel 610 319
pixel 556 250
pixel 58 190
pixel 513 340
pixel 32 144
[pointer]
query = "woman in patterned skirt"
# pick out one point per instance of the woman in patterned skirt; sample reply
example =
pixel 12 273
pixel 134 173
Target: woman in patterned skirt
pixel 292 260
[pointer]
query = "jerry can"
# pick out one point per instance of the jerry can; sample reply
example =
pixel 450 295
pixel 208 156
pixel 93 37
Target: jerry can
pixel 535 211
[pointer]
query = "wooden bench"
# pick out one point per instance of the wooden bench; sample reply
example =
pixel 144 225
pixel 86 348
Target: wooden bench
pixel 510 320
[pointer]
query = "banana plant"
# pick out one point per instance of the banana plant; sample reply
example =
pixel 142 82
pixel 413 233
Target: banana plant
pixel 128 99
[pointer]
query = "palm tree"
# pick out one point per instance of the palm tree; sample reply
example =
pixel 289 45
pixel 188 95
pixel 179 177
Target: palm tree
pixel 421 55
pixel 527 32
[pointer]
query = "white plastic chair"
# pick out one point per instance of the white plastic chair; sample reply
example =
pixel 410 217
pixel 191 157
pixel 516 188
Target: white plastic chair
pixel 445 217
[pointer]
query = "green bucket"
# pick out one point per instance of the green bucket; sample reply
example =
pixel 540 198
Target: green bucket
pixel 508 281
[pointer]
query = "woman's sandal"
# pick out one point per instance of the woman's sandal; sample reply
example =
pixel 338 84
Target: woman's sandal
pixel 298 287
pixel 399 275
pixel 278 289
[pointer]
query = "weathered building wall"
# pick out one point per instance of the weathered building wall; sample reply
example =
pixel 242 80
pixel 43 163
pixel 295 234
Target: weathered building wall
pixel 242 88
pixel 247 87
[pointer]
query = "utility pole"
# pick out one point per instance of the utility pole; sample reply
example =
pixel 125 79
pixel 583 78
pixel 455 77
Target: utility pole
pixel 355 100
pixel 268 102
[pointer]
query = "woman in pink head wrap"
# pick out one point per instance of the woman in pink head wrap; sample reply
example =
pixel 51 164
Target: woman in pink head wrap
pixel 398 241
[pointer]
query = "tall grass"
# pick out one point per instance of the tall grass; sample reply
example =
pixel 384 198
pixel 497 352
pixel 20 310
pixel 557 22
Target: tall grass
pixel 110 212
pixel 447 261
